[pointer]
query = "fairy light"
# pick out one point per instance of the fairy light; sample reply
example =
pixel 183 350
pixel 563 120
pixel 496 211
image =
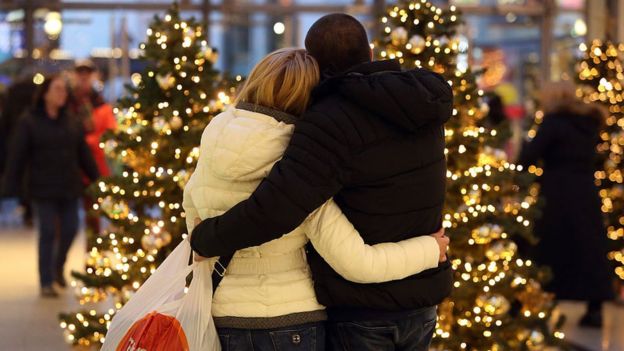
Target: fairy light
pixel 600 75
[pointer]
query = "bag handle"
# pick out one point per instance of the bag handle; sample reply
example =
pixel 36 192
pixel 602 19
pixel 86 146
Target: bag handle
pixel 220 267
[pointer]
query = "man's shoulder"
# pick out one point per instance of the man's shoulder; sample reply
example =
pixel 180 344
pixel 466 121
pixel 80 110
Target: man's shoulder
pixel 331 108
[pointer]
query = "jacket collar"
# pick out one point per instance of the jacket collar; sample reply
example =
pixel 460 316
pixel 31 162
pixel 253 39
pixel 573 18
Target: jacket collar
pixel 375 67
pixel 368 68
pixel 279 116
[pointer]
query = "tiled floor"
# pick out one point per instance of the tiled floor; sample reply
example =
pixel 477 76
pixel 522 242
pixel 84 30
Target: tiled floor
pixel 28 323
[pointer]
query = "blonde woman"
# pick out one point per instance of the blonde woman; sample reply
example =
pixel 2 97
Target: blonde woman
pixel 266 300
pixel 573 240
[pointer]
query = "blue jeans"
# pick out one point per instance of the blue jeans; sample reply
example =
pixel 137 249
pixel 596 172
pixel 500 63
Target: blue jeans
pixel 58 216
pixel 413 333
pixel 306 337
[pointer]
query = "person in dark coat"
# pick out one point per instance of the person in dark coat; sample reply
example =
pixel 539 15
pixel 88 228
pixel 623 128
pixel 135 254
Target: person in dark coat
pixel 18 99
pixel 51 146
pixel 573 239
pixel 496 110
pixel 373 139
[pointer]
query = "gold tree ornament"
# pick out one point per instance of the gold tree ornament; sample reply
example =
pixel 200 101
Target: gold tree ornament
pixel 160 124
pixel 493 304
pixel 176 123
pixel 151 242
pixel 399 36
pixel 501 250
pixel 536 341
pixel 534 299
pixel 166 82
pixel 492 157
pixel 110 146
pixel 486 233
pixel 182 177
pixel 416 44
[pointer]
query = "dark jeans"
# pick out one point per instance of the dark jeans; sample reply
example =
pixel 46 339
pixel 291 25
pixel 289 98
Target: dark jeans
pixel 413 333
pixel 56 218
pixel 306 337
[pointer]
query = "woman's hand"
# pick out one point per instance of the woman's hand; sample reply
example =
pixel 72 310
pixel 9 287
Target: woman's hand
pixel 443 243
pixel 196 257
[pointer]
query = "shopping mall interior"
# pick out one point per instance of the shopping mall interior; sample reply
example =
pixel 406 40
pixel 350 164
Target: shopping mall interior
pixel 499 56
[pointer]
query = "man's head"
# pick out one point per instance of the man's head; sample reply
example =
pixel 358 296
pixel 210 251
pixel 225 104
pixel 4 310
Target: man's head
pixel 85 74
pixel 338 42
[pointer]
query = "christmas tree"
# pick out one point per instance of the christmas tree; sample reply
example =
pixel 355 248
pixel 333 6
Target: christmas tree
pixel 498 302
pixel 161 120
pixel 601 80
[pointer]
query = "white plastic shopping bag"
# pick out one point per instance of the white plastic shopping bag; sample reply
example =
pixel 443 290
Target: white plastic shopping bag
pixel 161 317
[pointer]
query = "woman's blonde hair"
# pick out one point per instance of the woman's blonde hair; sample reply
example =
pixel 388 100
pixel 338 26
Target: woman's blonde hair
pixel 283 80
pixel 562 96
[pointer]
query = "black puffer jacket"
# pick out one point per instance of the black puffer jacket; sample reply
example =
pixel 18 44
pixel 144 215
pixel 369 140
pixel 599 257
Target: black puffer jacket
pixel 373 139
pixel 54 153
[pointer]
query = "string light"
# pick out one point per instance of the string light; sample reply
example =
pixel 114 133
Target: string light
pixel 601 80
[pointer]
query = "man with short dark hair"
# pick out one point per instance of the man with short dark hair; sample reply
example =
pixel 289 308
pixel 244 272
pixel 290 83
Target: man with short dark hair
pixel 373 139
pixel 338 42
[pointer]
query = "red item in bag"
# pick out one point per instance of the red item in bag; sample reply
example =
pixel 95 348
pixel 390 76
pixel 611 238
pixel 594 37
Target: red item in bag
pixel 154 332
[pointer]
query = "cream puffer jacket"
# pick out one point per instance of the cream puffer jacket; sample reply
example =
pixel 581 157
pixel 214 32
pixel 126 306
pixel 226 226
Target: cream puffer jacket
pixel 238 149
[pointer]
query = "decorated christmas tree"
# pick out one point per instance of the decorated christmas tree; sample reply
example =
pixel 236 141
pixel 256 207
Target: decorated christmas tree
pixel 161 120
pixel 498 302
pixel 601 80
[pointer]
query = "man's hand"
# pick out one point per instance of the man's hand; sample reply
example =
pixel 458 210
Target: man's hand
pixel 196 257
pixel 443 243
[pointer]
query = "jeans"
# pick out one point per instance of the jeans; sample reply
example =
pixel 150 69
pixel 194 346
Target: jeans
pixel 58 216
pixel 413 333
pixel 306 337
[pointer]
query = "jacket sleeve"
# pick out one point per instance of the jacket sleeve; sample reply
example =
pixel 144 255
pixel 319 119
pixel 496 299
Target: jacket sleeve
pixel 312 170
pixel 342 247
pixel 19 151
pixel 535 149
pixel 85 158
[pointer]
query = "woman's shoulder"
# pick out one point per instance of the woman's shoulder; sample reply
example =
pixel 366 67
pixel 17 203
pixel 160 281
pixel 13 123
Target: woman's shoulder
pixel 247 123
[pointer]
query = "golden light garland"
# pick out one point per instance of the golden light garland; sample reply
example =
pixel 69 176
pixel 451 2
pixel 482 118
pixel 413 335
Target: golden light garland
pixel 601 78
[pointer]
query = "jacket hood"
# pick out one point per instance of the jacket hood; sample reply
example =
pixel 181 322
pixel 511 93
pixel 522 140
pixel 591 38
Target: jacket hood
pixel 242 145
pixel 409 100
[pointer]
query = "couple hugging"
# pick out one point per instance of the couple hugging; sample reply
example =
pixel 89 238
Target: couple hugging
pixel 320 190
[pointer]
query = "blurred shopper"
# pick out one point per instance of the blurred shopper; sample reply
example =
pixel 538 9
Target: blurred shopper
pixel 88 105
pixel 496 110
pixel 573 237
pixel 51 145
pixel 18 100
pixel 497 119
